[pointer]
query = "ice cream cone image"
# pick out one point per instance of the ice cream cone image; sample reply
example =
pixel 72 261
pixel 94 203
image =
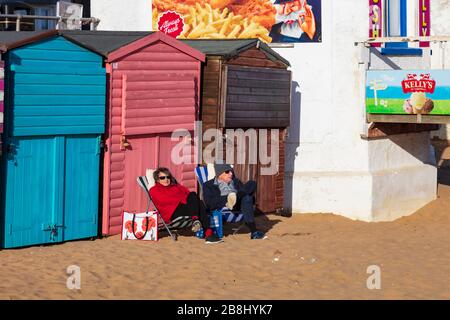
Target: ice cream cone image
pixel 407 107
pixel 428 107
pixel 418 100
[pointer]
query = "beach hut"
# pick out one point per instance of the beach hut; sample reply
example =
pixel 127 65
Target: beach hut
pixel 246 84
pixel 2 95
pixel 54 118
pixel 153 90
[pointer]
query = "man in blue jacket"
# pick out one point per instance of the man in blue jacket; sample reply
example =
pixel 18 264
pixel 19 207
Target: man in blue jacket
pixel 227 190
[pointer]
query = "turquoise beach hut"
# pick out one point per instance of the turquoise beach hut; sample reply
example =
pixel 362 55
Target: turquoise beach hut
pixel 54 118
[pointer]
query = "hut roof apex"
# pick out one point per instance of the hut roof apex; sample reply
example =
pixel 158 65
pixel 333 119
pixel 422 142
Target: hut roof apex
pixel 104 42
pixel 229 48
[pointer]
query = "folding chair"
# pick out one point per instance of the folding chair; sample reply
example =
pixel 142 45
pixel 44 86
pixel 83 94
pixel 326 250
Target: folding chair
pixel 178 223
pixel 201 172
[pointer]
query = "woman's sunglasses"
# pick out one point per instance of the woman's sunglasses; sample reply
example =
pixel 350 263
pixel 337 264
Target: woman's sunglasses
pixel 163 177
pixel 228 171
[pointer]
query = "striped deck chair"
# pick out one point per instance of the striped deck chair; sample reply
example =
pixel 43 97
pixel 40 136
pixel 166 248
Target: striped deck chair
pixel 178 223
pixel 201 172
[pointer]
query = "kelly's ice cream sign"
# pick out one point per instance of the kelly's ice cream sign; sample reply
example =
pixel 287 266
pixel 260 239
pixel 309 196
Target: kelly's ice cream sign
pixel 408 92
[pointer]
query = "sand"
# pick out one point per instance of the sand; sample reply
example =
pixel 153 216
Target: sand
pixel 320 256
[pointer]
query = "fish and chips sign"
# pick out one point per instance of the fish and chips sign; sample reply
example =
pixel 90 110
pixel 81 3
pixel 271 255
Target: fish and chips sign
pixel 268 20
pixel 424 21
pixel 376 14
pixel 419 92
pixel 375 20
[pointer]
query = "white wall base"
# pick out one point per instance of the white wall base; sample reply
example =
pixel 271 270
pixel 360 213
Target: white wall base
pixel 398 193
pixel 343 193
pixel 392 177
pixel 382 196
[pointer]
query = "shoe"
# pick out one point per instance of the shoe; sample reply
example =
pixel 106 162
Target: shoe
pixel 196 226
pixel 258 235
pixel 213 239
pixel 231 200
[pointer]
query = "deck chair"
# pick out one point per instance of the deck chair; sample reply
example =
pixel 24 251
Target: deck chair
pixel 179 223
pixel 204 174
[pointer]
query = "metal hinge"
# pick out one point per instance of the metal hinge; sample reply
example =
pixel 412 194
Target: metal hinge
pixel 100 145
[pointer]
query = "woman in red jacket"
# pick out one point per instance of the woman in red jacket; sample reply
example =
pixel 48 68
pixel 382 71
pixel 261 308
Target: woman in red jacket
pixel 174 200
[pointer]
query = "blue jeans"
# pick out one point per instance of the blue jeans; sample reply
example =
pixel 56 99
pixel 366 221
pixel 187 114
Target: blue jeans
pixel 246 200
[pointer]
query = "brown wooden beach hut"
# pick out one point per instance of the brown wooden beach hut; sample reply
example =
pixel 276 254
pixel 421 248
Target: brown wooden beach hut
pixel 246 84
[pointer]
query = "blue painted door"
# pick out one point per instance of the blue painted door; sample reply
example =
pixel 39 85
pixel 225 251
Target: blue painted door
pixel 32 202
pixel 51 189
pixel 81 187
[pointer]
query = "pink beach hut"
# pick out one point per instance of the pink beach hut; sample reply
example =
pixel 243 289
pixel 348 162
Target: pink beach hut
pixel 154 89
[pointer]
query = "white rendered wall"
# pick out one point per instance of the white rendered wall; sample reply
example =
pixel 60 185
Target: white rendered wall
pixel 329 167
pixel 120 15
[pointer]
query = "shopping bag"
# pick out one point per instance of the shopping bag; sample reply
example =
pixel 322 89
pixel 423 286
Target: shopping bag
pixel 140 226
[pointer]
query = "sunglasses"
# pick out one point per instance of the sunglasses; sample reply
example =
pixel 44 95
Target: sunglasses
pixel 163 177
pixel 227 171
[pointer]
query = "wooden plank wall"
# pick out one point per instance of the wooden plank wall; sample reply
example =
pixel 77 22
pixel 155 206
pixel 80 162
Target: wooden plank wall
pixel 59 88
pixel 270 193
pixel 210 102
pixel 257 97
pixel 159 103
pixel 279 178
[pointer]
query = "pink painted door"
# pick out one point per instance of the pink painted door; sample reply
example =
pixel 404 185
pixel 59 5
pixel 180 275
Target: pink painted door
pixel 149 152
pixel 181 165
pixel 139 155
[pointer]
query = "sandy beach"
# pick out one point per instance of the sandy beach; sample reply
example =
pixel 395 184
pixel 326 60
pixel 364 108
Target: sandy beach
pixel 320 256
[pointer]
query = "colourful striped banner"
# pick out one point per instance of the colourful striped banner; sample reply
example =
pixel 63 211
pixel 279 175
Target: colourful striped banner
pixel 424 21
pixel 2 93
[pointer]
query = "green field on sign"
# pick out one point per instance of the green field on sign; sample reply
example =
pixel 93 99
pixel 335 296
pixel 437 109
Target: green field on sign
pixel 395 106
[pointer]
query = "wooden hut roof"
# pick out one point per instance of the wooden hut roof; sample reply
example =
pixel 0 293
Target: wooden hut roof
pixel 115 44
pixel 104 42
pixel 101 42
pixel 13 39
pixel 230 48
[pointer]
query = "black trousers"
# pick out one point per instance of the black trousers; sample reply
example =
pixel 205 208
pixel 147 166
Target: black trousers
pixel 193 207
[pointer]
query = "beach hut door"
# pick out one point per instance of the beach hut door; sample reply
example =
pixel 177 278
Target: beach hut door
pixel 51 189
pixel 31 203
pixel 81 185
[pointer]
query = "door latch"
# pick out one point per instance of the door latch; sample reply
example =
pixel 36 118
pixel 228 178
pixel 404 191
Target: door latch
pixel 124 143
pixel 53 228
